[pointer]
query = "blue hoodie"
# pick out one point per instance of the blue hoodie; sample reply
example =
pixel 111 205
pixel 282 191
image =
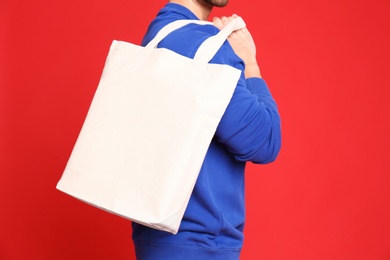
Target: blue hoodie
pixel 212 226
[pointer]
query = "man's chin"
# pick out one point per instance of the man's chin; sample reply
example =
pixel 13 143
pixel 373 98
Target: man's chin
pixel 217 3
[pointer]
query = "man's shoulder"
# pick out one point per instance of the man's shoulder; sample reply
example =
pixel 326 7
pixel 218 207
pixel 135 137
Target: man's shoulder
pixel 185 40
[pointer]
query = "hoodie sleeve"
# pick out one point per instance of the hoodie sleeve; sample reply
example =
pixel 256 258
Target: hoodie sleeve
pixel 250 127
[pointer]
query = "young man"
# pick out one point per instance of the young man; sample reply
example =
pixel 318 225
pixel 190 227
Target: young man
pixel 212 227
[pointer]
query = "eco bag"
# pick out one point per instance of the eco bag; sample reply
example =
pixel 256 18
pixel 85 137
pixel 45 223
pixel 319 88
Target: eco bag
pixel 148 129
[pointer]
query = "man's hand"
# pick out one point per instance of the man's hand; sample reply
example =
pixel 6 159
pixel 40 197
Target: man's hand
pixel 242 44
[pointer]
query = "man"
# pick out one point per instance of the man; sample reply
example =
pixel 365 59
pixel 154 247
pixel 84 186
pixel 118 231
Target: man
pixel 212 226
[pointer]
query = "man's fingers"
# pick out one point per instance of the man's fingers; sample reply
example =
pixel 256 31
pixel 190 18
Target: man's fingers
pixel 223 21
pixel 218 22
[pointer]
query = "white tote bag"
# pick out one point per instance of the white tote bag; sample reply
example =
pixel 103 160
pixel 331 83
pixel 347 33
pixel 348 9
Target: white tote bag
pixel 148 129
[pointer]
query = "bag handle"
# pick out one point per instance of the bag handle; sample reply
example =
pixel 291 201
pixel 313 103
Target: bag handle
pixel 167 29
pixel 210 46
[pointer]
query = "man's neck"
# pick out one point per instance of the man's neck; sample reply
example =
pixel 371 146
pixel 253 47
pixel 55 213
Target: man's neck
pixel 201 9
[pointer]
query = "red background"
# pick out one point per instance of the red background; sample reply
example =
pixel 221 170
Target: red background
pixel 327 64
